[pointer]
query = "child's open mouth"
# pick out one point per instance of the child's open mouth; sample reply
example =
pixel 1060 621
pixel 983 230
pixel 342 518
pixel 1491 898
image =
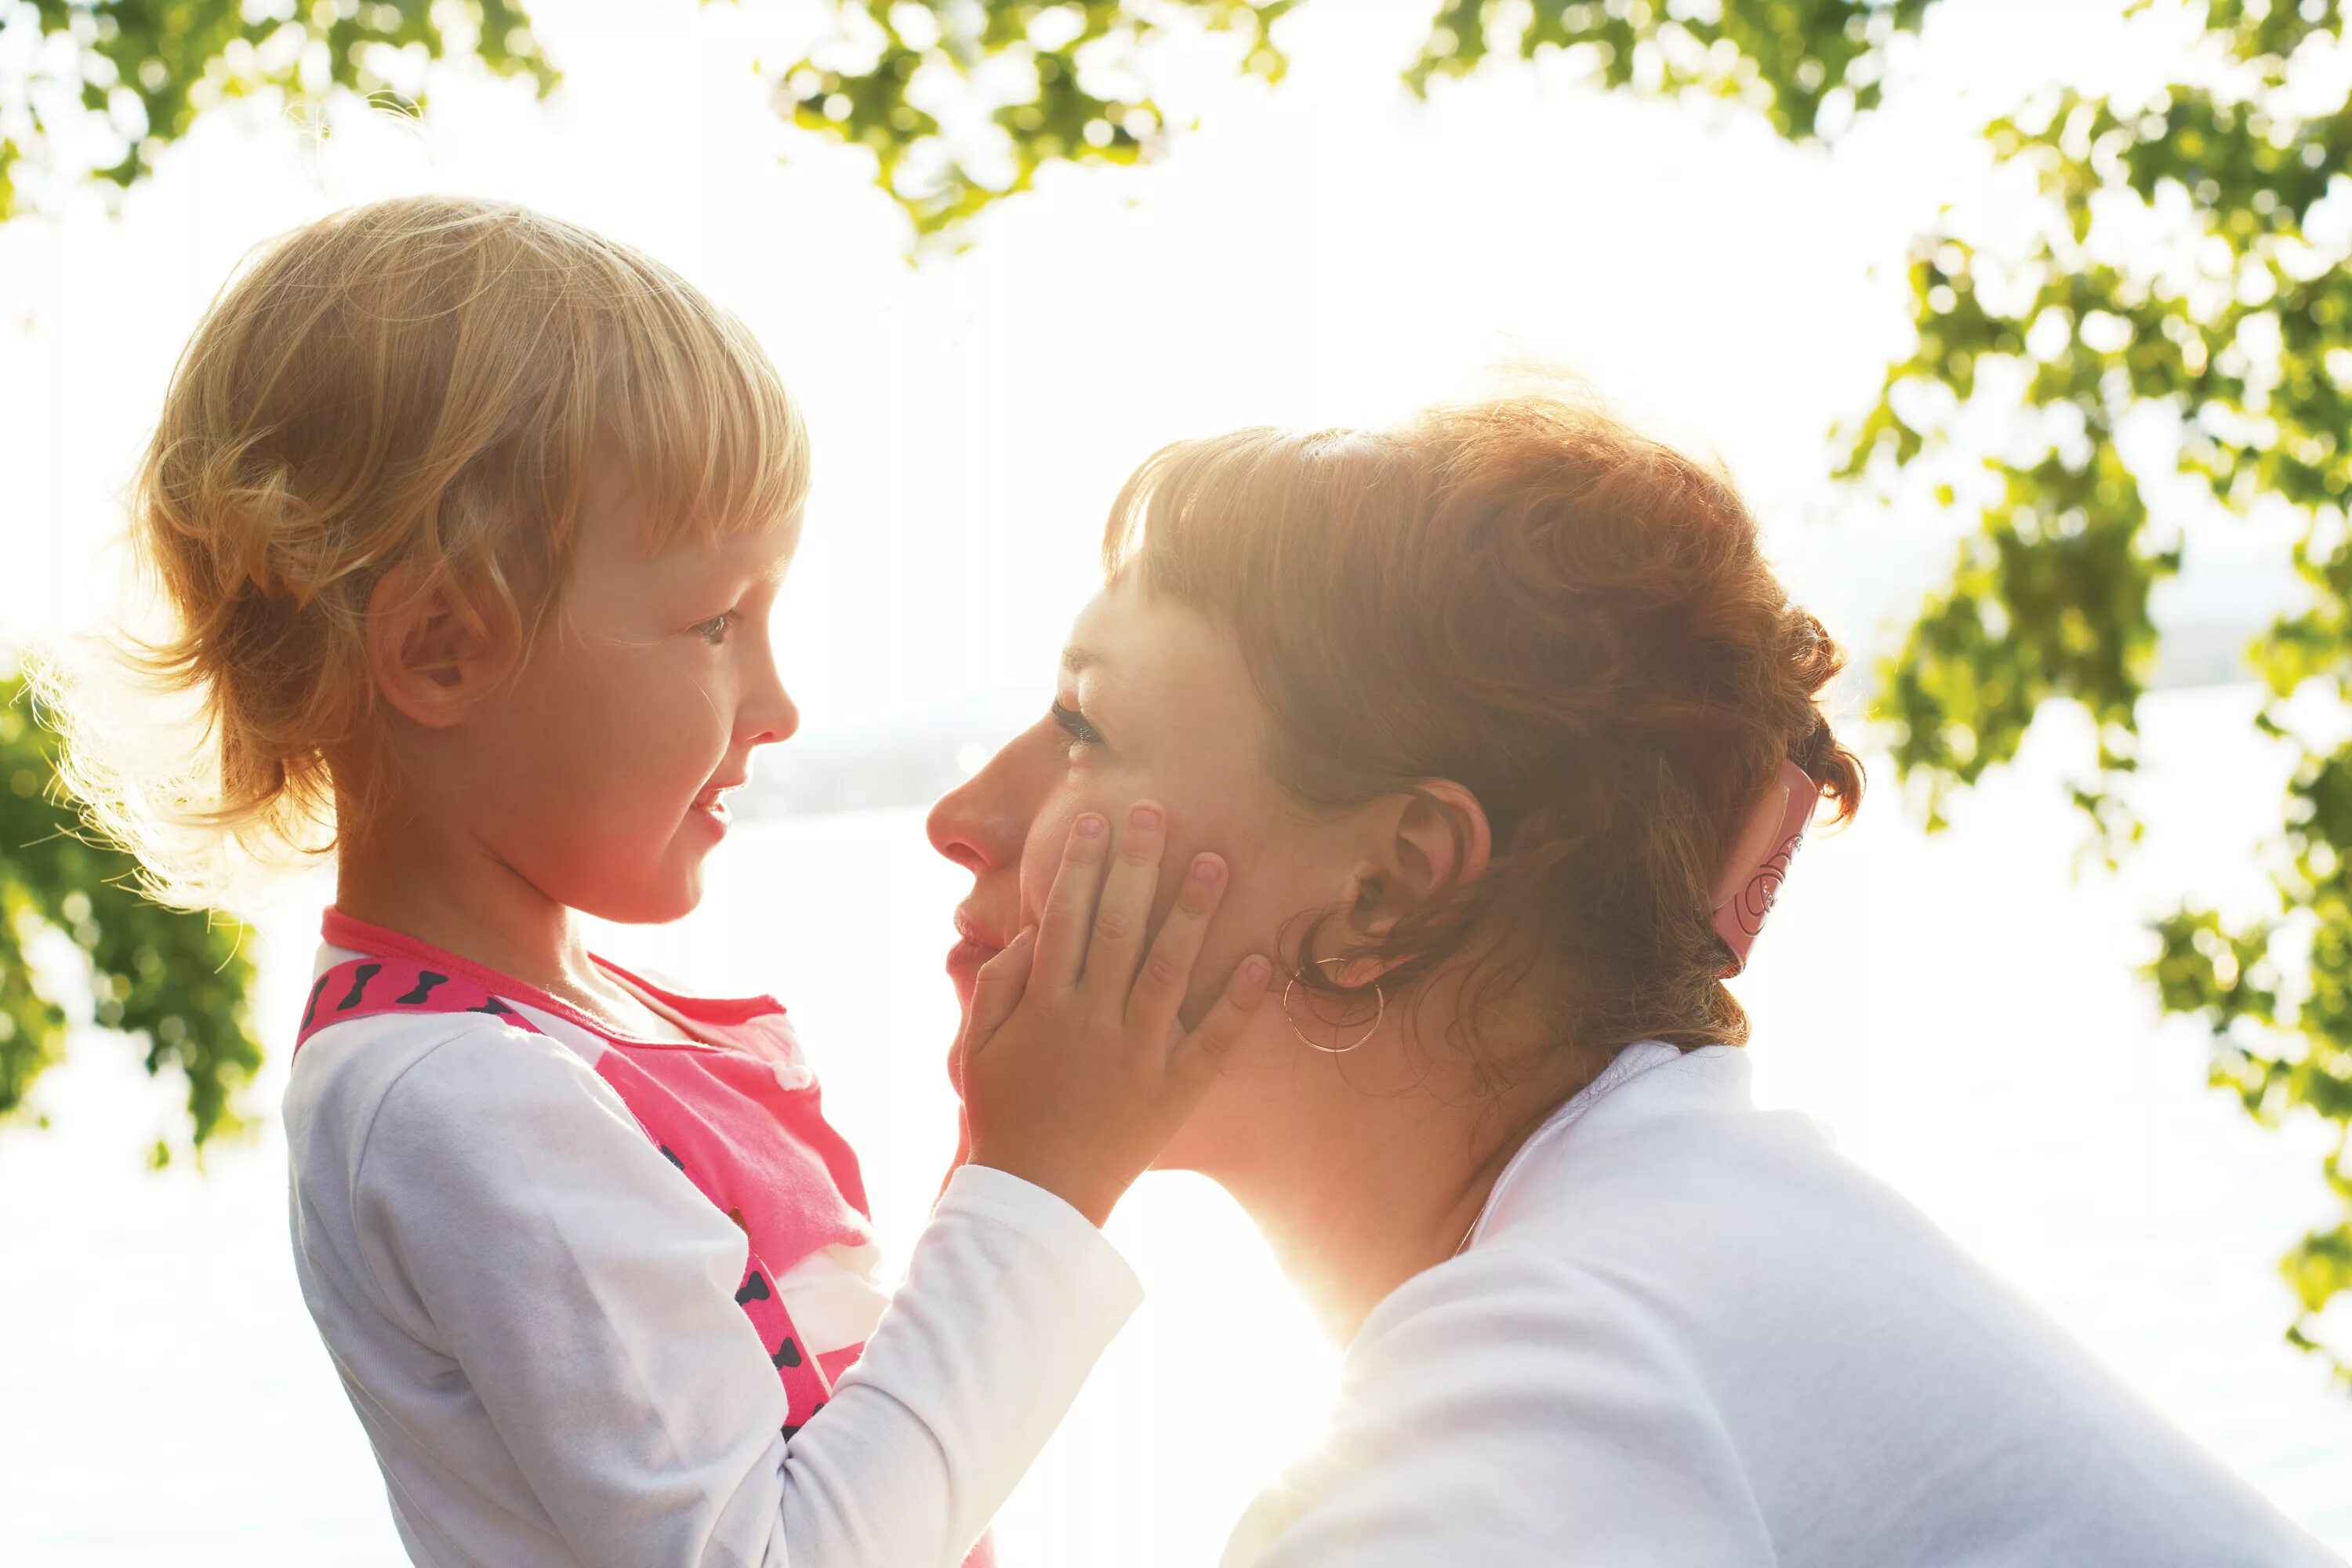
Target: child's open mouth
pixel 711 803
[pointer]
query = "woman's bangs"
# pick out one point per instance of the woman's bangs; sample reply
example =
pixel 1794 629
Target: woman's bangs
pixel 1198 517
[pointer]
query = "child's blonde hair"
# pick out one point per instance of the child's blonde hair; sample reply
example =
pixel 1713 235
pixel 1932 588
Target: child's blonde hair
pixel 427 382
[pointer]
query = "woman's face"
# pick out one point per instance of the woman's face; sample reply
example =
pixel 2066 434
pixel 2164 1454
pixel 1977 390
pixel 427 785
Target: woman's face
pixel 1152 702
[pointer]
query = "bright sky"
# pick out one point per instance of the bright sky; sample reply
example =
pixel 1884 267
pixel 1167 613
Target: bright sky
pixel 1329 251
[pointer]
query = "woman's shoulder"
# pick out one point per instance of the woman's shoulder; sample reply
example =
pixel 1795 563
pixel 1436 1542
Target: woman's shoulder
pixel 1679 1252
pixel 1731 1226
pixel 1668 1147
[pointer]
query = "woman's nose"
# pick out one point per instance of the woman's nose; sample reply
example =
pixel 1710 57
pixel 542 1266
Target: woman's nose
pixel 984 821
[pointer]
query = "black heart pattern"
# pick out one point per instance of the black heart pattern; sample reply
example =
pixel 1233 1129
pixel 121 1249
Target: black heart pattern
pixel 787 1355
pixel 755 1289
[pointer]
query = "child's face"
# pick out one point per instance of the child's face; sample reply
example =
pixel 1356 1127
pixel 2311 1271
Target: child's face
pixel 596 773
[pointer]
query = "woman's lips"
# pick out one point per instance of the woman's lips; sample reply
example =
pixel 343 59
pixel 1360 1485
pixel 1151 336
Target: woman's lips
pixel 974 948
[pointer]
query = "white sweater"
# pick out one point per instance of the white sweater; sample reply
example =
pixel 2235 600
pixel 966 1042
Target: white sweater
pixel 1688 1335
pixel 534 1317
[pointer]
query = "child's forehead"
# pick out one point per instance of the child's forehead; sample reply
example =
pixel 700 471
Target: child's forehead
pixel 624 531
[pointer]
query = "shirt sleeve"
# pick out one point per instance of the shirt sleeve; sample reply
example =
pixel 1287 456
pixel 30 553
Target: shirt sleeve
pixel 1507 1410
pixel 514 1218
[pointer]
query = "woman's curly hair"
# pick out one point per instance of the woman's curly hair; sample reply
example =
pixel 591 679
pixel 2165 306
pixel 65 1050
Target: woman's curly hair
pixel 1568 618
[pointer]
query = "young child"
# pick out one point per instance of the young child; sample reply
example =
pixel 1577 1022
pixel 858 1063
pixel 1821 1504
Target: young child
pixel 472 522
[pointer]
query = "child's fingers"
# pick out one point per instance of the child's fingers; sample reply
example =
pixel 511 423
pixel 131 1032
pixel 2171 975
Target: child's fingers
pixel 1117 946
pixel 1069 914
pixel 995 991
pixel 1198 1055
pixel 1168 968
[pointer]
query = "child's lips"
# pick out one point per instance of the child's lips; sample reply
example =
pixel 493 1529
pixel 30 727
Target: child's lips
pixel 712 802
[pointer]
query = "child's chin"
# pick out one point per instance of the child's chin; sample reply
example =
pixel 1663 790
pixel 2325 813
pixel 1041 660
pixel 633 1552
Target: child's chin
pixel 659 902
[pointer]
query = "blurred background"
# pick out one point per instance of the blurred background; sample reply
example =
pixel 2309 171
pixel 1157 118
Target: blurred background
pixel 2023 324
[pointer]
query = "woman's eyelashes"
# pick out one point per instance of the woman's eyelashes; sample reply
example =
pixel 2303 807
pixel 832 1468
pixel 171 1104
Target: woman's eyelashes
pixel 1076 725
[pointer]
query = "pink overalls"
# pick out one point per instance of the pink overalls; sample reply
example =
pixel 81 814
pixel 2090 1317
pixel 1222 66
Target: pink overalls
pixel 737 1111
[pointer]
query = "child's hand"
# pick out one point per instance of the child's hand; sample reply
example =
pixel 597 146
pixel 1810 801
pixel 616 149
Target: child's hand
pixel 1075 1069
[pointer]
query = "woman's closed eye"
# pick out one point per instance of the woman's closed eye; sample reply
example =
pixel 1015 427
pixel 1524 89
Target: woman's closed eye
pixel 1076 725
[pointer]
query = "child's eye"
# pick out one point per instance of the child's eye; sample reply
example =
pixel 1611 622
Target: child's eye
pixel 1074 724
pixel 714 630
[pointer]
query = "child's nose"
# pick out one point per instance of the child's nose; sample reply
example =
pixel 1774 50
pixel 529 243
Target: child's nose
pixel 774 717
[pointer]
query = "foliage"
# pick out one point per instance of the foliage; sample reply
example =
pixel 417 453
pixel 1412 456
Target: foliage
pixel 2186 275
pixel 1805 63
pixel 177 980
pixel 1049 83
pixel 1066 82
pixel 962 102
pixel 131 76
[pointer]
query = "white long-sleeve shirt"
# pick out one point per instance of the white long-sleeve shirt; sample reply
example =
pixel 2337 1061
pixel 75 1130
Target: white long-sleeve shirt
pixel 535 1316
pixel 1688 1334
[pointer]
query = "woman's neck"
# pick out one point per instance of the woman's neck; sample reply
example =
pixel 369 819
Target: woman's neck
pixel 1369 1189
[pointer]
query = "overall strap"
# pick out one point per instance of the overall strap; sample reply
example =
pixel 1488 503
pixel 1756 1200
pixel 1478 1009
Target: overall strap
pixel 369 987
pixel 364 988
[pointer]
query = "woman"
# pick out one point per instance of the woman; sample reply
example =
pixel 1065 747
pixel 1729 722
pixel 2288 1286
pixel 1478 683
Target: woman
pixel 1492 714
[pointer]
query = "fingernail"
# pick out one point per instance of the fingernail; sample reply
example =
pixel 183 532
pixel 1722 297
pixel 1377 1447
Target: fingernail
pixel 1089 825
pixel 1208 868
pixel 1023 935
pixel 1254 969
pixel 1146 818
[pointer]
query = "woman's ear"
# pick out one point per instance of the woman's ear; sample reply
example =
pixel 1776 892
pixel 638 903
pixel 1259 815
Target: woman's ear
pixel 1433 836
pixel 429 657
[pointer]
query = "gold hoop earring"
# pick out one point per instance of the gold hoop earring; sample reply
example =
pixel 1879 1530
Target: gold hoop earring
pixel 1379 995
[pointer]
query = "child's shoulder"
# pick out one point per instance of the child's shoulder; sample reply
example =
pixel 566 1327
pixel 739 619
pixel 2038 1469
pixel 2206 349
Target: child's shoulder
pixel 364 1080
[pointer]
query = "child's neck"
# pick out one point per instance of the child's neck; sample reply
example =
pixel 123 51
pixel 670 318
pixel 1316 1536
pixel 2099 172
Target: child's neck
pixel 428 883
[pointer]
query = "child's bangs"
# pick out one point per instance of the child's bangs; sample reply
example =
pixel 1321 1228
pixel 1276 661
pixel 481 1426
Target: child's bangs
pixel 713 445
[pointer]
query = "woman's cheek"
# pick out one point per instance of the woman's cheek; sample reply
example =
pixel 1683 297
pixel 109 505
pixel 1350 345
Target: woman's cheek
pixel 1041 854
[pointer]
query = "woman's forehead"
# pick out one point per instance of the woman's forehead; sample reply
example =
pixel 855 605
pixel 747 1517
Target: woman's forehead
pixel 1125 630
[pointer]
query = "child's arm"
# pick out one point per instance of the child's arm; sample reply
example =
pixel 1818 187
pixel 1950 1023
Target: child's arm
pixel 1076 1071
pixel 513 1219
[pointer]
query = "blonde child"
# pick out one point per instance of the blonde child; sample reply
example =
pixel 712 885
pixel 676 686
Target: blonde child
pixel 472 521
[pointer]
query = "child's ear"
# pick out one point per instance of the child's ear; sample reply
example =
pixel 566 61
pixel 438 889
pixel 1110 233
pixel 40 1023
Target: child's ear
pixel 1433 836
pixel 428 655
